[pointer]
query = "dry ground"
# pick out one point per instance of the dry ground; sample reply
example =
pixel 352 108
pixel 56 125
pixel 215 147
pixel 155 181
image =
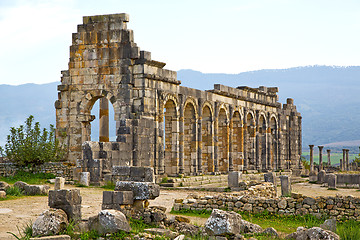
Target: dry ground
pixel 16 213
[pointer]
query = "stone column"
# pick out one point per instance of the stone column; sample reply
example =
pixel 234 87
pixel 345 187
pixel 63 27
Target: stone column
pixel 347 160
pixel 230 136
pixel 216 132
pixel 329 155
pixel 343 166
pixel 103 120
pixel 181 144
pixel 199 147
pixel 331 181
pixel 311 158
pixel 285 185
pixel 320 158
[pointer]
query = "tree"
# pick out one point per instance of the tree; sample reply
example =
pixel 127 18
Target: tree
pixel 28 145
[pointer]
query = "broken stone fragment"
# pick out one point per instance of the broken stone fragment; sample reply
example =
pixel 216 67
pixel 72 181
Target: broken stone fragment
pixel 4 186
pixel 221 223
pixel 109 221
pixel 141 190
pixel 50 222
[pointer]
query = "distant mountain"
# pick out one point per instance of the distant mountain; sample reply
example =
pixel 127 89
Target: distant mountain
pixel 327 97
pixel 18 102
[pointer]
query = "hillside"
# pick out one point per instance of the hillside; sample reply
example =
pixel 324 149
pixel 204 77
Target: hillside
pixel 327 97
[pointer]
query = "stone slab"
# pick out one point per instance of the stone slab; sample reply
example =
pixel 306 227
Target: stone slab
pixel 141 190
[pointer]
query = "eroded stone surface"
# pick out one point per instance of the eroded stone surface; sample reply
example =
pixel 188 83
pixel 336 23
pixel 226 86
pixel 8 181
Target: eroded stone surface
pixel 222 222
pixel 50 222
pixel 109 221
pixel 141 190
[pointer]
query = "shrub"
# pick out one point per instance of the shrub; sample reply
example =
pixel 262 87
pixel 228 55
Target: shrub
pixel 28 145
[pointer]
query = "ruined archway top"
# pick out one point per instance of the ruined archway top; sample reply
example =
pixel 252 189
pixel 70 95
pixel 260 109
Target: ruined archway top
pixel 118 17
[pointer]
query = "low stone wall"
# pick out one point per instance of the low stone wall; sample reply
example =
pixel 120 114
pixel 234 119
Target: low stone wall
pixel 59 169
pixel 333 207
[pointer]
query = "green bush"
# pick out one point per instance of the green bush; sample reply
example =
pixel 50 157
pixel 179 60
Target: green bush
pixel 28 145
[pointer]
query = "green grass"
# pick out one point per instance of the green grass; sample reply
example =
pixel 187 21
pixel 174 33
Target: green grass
pixel 28 177
pixel 109 186
pixel 13 193
pixel 285 224
pixel 349 230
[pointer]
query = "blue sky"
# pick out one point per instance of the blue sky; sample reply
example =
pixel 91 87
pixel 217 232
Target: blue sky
pixel 208 36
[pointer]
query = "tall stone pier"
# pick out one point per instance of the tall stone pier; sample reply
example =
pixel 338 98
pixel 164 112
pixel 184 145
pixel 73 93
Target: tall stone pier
pixel 320 158
pixel 311 158
pixel 329 157
pixel 160 123
pixel 343 166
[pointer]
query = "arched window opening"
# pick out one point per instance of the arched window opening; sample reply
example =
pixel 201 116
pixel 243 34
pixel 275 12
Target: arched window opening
pixel 207 141
pixel 237 142
pixel 190 143
pixel 223 142
pixel 103 128
pixel 170 138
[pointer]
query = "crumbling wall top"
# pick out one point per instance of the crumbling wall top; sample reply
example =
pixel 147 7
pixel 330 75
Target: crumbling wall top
pixel 119 17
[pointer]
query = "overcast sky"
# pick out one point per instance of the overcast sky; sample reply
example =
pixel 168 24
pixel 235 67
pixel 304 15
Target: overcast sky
pixel 209 36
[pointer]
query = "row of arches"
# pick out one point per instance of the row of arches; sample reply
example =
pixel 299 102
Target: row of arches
pixel 208 139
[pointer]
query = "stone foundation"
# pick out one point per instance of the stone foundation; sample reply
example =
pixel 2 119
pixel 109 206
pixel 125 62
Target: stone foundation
pixel 334 207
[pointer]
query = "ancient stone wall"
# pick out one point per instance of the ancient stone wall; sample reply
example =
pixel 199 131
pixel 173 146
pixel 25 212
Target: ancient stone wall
pixel 335 207
pixel 159 123
pixel 57 168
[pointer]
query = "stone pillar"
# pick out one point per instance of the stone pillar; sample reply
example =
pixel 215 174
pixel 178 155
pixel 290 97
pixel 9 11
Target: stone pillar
pixel 331 181
pixel 347 159
pixel 231 164
pixel 234 178
pixel 311 158
pixel 329 155
pixel 59 183
pixel 343 166
pixel 85 178
pixel 320 158
pixel 285 185
pixel 321 176
pixel 199 149
pixel 216 138
pixel 313 177
pixel 103 120
pixel 181 144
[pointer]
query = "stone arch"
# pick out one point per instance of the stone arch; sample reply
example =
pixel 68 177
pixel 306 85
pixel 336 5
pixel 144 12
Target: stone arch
pixel 223 140
pixel 165 99
pixel 170 127
pixel 207 138
pixel 273 142
pixel 249 140
pixel 261 140
pixel 192 101
pixel 85 117
pixel 237 140
pixel 190 136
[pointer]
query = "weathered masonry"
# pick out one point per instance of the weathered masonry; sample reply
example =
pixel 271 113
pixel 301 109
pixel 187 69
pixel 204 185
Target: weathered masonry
pixel 159 123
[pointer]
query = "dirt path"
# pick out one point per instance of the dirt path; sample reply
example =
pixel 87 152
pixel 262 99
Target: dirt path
pixel 17 213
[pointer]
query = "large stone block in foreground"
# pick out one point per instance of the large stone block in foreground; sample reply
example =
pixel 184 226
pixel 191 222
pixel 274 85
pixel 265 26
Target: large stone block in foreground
pixel 141 190
pixel 68 200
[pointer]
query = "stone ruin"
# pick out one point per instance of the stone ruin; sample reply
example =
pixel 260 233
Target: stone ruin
pixel 159 123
